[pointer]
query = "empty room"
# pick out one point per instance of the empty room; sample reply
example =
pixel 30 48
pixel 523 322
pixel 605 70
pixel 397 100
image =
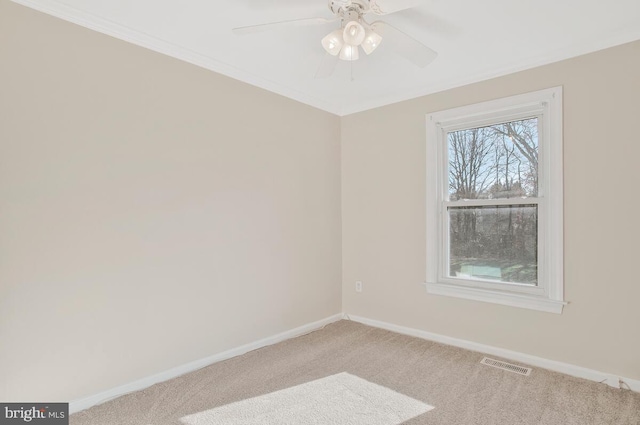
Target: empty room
pixel 306 212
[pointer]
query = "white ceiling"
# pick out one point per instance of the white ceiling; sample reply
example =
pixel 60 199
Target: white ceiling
pixel 475 40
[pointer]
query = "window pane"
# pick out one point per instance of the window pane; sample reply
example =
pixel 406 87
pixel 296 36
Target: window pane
pixel 494 242
pixel 497 161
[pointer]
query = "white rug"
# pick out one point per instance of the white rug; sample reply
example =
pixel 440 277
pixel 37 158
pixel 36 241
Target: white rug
pixel 337 399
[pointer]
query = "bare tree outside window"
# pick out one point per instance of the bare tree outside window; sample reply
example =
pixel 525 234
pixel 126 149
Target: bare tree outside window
pixel 495 242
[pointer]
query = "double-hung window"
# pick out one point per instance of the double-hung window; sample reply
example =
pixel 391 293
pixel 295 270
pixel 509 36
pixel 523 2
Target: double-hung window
pixel 494 201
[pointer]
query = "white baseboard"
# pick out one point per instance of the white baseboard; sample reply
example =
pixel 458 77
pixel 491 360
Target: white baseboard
pixel 85 403
pixel 566 368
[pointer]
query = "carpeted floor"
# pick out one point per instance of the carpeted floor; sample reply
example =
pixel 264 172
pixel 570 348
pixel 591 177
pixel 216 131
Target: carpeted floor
pixel 451 379
pixel 337 399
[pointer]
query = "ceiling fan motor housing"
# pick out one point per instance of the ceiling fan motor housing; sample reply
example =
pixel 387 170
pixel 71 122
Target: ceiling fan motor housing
pixel 349 9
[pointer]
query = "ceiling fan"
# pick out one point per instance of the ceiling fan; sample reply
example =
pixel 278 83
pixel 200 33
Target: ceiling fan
pixel 355 32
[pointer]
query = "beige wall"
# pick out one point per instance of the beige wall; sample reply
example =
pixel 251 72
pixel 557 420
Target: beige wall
pixel 383 198
pixel 152 213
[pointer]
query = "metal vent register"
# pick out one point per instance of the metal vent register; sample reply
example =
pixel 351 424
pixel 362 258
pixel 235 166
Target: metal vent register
pixel 520 370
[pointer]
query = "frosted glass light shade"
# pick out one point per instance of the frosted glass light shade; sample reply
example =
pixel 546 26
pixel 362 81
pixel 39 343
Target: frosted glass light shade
pixel 349 53
pixel 354 33
pixel 333 42
pixel 371 41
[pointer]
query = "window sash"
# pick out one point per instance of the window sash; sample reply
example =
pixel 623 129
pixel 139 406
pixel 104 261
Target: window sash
pixel 445 203
pixel 445 253
pixel 495 119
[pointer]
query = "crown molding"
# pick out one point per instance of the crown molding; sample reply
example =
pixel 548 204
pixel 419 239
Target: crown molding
pixel 122 32
pixel 628 36
pixel 108 27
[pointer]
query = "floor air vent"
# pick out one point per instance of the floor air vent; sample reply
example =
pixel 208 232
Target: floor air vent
pixel 506 366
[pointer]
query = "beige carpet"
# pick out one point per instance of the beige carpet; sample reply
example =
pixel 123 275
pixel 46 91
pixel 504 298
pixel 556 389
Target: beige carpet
pixel 450 379
pixel 337 399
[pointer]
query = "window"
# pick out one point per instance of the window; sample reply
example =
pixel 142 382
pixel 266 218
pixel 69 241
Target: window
pixel 494 201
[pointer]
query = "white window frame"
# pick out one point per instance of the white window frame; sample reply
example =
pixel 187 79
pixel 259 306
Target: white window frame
pixel 548 295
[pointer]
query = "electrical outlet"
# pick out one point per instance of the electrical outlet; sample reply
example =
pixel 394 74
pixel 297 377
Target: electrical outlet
pixel 358 286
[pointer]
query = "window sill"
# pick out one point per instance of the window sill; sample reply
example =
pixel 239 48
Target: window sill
pixel 497 297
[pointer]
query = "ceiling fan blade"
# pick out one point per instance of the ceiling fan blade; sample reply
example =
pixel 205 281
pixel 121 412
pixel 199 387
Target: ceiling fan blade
pixel 275 25
pixel 405 45
pixel 327 66
pixel 385 7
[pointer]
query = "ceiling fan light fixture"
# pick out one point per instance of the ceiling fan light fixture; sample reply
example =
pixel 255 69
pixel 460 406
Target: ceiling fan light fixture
pixel 354 33
pixel 349 53
pixel 333 42
pixel 371 41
